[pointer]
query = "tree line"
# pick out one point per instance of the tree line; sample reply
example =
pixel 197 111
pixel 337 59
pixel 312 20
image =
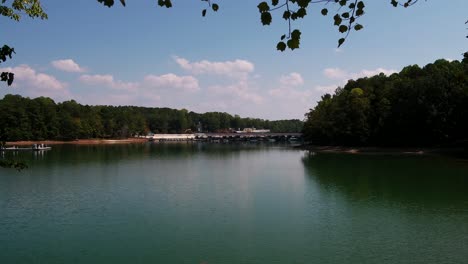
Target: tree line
pixel 22 118
pixel 417 107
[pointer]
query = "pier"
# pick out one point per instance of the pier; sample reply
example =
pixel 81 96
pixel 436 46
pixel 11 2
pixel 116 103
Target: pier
pixel 227 137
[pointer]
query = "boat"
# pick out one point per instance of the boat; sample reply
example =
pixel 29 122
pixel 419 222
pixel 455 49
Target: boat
pixel 9 148
pixel 40 147
pixel 35 147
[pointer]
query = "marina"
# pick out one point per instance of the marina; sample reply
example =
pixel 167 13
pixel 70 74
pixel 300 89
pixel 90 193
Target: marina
pixel 228 137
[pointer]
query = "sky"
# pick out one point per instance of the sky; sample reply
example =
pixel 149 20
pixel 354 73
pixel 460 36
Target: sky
pixel 145 55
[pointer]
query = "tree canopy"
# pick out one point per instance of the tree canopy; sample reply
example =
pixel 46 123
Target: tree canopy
pixel 351 114
pixel 41 119
pixel 416 107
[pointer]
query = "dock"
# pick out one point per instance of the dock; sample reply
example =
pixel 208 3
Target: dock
pixel 227 137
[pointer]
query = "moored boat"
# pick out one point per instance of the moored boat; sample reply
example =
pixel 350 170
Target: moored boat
pixel 39 147
pixel 35 147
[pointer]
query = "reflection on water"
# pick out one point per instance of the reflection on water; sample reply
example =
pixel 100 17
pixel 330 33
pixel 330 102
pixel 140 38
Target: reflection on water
pixel 104 154
pixel 391 209
pixel 227 203
pixel 404 180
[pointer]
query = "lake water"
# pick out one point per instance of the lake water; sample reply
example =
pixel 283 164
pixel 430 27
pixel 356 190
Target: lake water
pixel 221 203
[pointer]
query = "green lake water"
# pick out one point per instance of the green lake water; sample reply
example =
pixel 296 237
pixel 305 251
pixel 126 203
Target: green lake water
pixel 222 203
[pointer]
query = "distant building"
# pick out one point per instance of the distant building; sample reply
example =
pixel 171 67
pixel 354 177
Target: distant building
pixel 261 131
pixel 253 130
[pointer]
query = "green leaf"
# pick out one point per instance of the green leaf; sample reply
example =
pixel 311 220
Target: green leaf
pixel 302 3
pixel 286 15
pixel 337 19
pixel 293 44
pixel 358 27
pixel 343 28
pixel 203 12
pixel 296 34
pixel 340 42
pixel 6 52
pixel 283 37
pixel 294 16
pixel 266 18
pixel 7 77
pixel 394 3
pixel 281 46
pixel 263 7
pixel 13 165
pixel 123 2
pixel 360 5
pixel 274 2
pixel 359 12
pixel 108 3
pixel 11 77
pixel 301 12
pixel 324 11
pixel 215 7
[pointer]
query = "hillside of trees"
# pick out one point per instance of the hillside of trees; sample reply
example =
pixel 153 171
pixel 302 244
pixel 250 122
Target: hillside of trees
pixel 422 107
pixel 22 118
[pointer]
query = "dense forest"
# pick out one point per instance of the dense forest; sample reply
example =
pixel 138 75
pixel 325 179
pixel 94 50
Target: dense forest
pixel 417 107
pixel 22 118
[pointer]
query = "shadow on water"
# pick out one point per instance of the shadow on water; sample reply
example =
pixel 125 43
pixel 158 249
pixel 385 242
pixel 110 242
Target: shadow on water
pixel 110 154
pixel 397 180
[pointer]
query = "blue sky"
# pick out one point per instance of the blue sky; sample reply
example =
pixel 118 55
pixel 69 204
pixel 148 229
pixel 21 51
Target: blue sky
pixel 146 55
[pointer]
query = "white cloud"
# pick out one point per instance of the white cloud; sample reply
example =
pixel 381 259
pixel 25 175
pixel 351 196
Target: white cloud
pixel 290 101
pixel 292 79
pixel 235 69
pixel 33 83
pixel 327 88
pixel 369 73
pixel 240 90
pixel 343 76
pixel 170 80
pixel 337 73
pixel 288 92
pixel 68 65
pixel 27 75
pixel 142 92
pixel 107 80
pixel 291 93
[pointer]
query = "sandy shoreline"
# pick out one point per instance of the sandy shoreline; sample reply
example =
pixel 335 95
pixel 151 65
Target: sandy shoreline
pixel 79 142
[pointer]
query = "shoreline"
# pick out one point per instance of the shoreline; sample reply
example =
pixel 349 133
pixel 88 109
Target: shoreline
pixel 446 151
pixel 383 150
pixel 78 142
